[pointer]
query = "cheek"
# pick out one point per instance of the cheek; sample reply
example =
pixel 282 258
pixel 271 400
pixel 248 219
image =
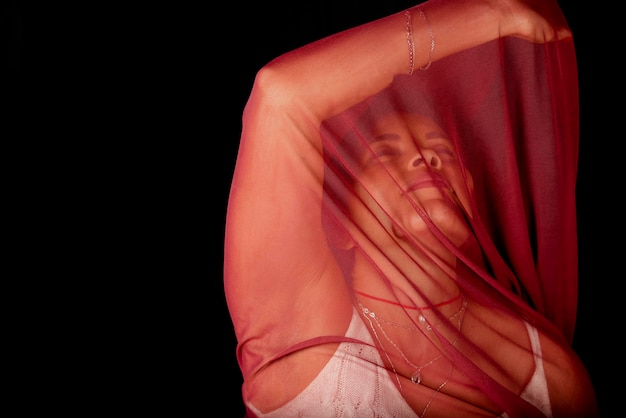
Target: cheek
pixel 368 223
pixel 462 187
pixel 367 202
pixel 463 201
pixel 380 192
pixel 373 201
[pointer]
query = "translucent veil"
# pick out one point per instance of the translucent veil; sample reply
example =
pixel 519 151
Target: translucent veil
pixel 511 109
pixel 419 256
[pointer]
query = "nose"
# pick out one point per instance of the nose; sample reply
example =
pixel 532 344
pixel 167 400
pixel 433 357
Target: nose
pixel 425 156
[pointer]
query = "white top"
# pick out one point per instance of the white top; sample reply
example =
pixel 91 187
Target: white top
pixel 353 385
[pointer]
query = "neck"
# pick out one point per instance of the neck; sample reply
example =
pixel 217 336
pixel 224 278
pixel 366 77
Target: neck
pixel 411 307
pixel 436 284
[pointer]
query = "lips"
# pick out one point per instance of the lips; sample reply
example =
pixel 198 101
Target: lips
pixel 427 180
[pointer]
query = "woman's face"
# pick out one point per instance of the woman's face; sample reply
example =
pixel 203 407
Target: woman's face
pixel 410 170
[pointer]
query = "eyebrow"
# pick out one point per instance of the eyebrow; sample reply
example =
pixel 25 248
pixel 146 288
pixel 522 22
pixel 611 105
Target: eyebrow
pixel 385 137
pixel 391 136
pixel 436 134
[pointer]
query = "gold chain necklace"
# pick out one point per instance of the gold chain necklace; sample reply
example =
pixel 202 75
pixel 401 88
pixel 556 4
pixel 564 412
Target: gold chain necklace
pixel 416 376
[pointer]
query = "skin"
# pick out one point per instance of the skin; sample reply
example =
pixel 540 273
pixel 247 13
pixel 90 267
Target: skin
pixel 414 151
pixel 406 152
pixel 410 163
pixel 291 97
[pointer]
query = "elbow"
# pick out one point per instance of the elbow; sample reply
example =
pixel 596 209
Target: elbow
pixel 273 87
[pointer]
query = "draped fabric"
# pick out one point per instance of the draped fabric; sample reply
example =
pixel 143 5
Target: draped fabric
pixel 405 244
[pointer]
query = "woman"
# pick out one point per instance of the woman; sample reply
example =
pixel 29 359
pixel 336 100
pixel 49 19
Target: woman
pixel 401 226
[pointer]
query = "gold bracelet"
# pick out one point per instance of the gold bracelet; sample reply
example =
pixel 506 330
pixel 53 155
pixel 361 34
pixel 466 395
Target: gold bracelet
pixel 409 39
pixel 432 40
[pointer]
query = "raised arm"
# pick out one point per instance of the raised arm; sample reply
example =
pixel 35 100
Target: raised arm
pixel 276 256
pixel 336 72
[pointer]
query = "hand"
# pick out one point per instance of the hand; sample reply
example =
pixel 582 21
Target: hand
pixel 533 20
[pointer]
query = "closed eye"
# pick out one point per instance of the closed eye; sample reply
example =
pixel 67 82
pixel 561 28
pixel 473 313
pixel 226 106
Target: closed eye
pixel 382 152
pixel 444 151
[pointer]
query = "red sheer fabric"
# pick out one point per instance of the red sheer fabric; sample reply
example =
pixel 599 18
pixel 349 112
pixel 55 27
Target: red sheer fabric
pixel 405 245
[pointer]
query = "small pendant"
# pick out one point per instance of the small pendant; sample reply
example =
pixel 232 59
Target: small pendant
pixel 416 377
pixel 422 320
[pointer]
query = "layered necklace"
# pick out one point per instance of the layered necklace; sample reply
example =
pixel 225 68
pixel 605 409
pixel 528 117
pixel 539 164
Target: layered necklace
pixel 416 376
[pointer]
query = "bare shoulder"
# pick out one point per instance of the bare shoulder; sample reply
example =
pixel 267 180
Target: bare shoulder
pixel 571 391
pixel 280 382
pixel 284 379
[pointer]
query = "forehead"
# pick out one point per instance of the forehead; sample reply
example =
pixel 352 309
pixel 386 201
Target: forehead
pixel 406 125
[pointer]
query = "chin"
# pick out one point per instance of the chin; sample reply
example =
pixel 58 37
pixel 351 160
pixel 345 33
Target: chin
pixel 446 217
